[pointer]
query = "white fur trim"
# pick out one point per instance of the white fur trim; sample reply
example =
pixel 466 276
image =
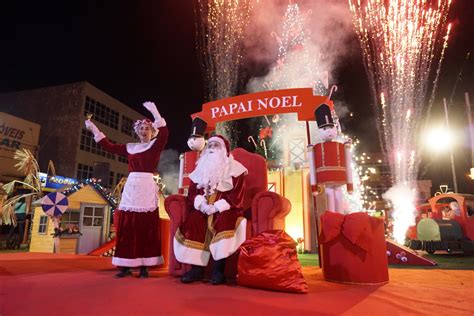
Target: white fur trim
pixel 159 122
pixel 137 262
pixel 135 148
pixel 190 255
pixel 198 200
pixel 99 136
pixel 227 246
pixel 221 205
pixel 235 169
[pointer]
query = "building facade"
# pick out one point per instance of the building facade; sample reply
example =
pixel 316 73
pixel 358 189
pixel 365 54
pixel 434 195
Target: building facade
pixel 60 111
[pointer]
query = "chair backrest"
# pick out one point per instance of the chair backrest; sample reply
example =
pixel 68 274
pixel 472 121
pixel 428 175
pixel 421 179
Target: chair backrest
pixel 256 181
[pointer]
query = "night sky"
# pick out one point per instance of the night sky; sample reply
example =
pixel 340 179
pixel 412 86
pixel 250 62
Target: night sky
pixel 145 50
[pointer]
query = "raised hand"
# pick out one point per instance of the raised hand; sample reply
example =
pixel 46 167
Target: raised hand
pixel 98 135
pixel 91 127
pixel 150 106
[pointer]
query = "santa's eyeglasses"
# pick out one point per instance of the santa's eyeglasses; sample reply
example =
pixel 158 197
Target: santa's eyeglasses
pixel 214 145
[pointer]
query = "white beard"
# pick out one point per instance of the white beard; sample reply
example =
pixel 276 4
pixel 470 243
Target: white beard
pixel 211 169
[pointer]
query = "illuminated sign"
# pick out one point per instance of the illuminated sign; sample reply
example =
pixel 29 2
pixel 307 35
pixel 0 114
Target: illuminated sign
pixel 55 182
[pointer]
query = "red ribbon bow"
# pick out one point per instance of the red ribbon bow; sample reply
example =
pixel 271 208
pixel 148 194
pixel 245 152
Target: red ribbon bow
pixel 356 227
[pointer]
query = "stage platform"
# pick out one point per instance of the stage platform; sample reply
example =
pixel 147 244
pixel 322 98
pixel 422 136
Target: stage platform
pixel 49 284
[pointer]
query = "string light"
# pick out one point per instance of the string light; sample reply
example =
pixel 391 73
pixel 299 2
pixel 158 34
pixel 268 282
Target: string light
pixel 96 185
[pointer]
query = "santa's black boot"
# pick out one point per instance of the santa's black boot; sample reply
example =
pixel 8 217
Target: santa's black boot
pixel 124 271
pixel 143 272
pixel 195 274
pixel 217 276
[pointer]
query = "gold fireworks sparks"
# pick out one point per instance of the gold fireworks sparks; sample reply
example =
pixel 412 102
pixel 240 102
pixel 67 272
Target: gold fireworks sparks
pixel 221 28
pixel 403 44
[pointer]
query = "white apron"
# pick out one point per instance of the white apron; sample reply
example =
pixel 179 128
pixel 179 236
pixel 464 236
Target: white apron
pixel 140 193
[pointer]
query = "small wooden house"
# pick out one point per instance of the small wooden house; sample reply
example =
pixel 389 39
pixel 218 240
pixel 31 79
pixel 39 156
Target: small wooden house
pixel 84 226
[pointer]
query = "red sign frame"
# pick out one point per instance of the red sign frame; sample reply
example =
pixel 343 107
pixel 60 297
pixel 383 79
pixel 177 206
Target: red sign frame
pixel 299 100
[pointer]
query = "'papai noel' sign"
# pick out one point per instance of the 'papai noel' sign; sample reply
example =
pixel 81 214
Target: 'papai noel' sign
pixel 300 101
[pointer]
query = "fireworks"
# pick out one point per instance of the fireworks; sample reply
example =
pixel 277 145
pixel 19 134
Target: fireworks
pixel 221 28
pixel 299 61
pixel 403 44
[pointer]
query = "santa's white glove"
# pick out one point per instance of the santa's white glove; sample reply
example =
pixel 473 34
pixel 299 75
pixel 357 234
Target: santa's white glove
pixel 200 202
pixel 210 209
pixel 98 135
pixel 221 205
pixel 151 107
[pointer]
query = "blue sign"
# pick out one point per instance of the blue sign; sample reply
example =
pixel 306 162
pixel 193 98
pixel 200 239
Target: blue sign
pixel 55 182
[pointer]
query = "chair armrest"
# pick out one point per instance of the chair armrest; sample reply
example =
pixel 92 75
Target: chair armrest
pixel 269 210
pixel 176 207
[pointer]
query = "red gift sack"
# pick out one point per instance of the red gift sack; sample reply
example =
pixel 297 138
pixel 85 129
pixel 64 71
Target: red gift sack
pixel 269 261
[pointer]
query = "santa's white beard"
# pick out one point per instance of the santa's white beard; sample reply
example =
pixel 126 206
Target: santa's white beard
pixel 210 169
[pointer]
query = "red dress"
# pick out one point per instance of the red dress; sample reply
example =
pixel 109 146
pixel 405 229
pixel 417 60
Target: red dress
pixel 137 225
pixel 219 234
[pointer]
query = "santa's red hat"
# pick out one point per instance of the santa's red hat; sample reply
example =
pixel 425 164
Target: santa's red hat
pixel 221 139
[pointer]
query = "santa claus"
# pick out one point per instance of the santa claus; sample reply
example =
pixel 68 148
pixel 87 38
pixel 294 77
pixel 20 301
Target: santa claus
pixel 215 225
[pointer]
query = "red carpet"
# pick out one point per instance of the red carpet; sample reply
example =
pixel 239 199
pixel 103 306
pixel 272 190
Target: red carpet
pixel 47 284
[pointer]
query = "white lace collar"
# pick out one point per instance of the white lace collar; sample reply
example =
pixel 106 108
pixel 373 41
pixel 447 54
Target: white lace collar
pixel 135 148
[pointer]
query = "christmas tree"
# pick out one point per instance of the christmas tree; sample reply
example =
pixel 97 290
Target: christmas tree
pixel 297 66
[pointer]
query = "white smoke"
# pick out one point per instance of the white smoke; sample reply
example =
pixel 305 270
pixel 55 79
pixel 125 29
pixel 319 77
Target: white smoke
pixel 168 169
pixel 329 26
pixel 403 199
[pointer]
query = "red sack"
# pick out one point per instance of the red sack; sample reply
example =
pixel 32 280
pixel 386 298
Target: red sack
pixel 269 261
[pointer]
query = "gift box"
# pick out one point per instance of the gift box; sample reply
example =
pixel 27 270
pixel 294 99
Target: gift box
pixel 353 248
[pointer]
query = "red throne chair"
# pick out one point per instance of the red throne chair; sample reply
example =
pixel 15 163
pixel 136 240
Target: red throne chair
pixel 263 209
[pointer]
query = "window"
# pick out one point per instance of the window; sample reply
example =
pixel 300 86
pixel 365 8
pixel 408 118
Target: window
pixel 123 159
pixel 271 186
pixel 70 220
pixel 127 126
pixel 102 113
pixel 84 171
pixel 111 179
pixel 297 151
pixel 43 225
pixel 88 144
pixel 93 216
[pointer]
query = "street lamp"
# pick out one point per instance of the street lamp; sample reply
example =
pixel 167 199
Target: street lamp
pixel 438 139
pixel 453 170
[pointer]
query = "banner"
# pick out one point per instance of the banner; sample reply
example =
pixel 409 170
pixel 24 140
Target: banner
pixel 52 183
pixel 300 101
pixel 15 133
